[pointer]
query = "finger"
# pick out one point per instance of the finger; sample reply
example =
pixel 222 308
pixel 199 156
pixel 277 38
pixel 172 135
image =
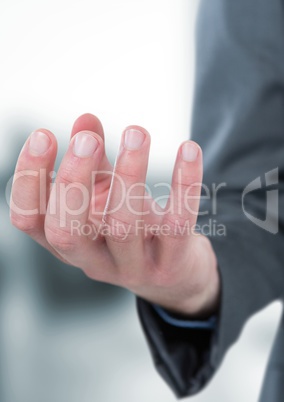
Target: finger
pixel 183 204
pixel 69 201
pixel 124 211
pixel 31 184
pixel 89 122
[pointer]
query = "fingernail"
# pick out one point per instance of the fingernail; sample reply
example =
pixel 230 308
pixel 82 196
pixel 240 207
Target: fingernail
pixel 39 143
pixel 84 145
pixel 189 152
pixel 133 138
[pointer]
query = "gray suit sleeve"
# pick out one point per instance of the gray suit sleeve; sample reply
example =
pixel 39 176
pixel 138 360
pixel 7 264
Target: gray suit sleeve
pixel 238 119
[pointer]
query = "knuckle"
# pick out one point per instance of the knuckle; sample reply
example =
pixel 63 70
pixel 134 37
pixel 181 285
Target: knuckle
pixel 70 174
pixel 181 184
pixel 117 237
pixel 26 224
pixel 117 229
pixel 188 183
pixel 67 176
pixel 176 227
pixel 60 239
pixel 126 172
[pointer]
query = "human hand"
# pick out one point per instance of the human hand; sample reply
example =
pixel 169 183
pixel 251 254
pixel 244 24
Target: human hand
pixel 100 219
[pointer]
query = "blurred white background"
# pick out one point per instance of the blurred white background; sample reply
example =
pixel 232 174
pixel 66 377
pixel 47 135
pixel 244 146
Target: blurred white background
pixel 128 62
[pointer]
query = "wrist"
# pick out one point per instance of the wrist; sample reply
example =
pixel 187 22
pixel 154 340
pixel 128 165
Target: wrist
pixel 194 290
pixel 204 302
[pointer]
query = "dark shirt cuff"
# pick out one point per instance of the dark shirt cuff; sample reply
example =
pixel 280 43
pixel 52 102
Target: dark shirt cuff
pixel 180 322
